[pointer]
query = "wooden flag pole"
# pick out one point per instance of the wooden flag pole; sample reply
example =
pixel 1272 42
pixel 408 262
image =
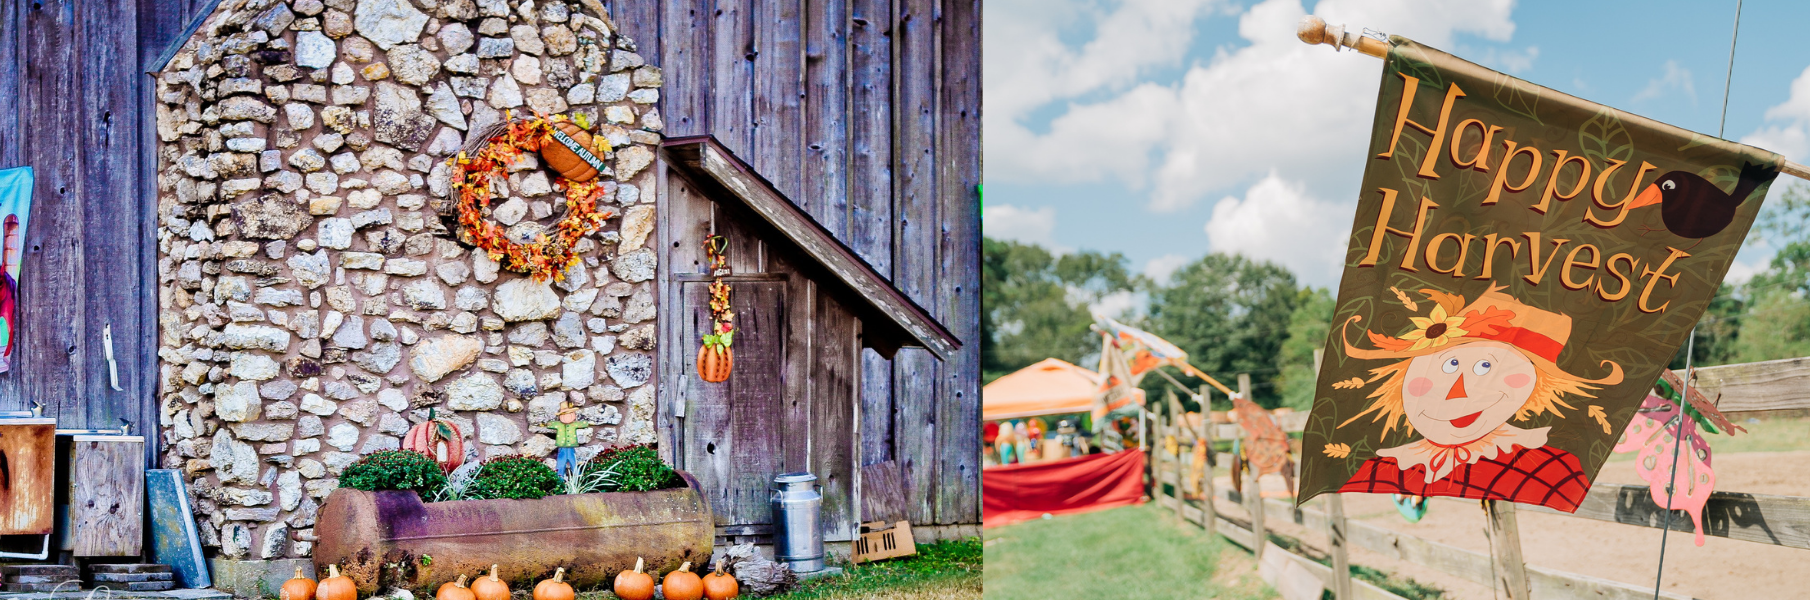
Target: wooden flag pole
pixel 1314 30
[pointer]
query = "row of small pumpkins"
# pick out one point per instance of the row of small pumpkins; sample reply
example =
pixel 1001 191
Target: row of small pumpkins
pixel 630 585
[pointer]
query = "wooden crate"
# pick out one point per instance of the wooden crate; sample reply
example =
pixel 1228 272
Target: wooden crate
pixel 28 458
pixel 107 495
pixel 881 541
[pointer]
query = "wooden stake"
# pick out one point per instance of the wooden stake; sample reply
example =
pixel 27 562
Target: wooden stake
pixel 1313 30
pixel 1335 524
pixel 1253 492
pixel 1505 548
pixel 1203 434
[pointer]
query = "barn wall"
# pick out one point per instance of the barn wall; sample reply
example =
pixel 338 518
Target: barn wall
pixel 867 114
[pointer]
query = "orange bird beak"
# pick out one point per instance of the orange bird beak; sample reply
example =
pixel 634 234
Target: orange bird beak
pixel 1457 390
pixel 1647 197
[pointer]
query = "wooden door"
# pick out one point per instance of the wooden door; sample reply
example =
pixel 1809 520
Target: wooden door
pixel 731 437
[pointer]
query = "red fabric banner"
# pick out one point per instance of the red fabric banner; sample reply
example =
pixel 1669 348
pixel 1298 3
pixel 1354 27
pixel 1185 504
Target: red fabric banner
pixel 1014 493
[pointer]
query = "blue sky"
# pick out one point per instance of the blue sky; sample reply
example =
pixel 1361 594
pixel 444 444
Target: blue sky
pixel 1167 129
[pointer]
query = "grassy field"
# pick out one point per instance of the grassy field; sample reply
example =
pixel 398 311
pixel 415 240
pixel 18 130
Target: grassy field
pixel 940 571
pixel 1132 552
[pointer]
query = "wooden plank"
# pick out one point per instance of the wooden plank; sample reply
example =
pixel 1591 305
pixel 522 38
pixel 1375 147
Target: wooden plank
pixel 12 136
pixel 958 284
pixel 112 217
pixel 824 193
pixel 1204 431
pixel 640 21
pixel 877 411
pixel 756 395
pixel 916 209
pixel 732 91
pixel 709 160
pixel 835 377
pixel 708 435
pixel 686 62
pixel 1505 549
pixel 174 540
pixel 778 101
pixel 51 347
pixel 27 484
pixel 870 197
pixel 797 427
pixel 1238 534
pixel 882 492
pixel 1336 526
pixel 914 429
pixel 1761 386
pixel 106 508
pixel 1760 518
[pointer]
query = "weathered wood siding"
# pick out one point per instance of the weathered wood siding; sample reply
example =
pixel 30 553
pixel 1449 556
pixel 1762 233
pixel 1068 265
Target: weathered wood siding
pixel 75 105
pixel 867 114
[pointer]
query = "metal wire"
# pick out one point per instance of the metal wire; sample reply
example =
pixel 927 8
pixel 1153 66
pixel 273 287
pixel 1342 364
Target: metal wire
pixel 1690 344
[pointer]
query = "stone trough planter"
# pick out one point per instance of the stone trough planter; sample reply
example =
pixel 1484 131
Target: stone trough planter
pixel 593 536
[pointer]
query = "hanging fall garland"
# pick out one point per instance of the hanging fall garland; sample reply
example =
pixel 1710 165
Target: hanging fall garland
pixel 486 160
pixel 715 359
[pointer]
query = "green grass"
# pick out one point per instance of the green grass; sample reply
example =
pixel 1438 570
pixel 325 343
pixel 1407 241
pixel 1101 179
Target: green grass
pixel 1131 552
pixel 1769 435
pixel 944 570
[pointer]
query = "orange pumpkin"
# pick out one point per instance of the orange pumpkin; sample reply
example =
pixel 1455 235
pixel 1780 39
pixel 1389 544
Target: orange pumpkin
pixel 714 363
pixel 336 586
pixel 439 439
pixel 721 586
pixel 634 585
pixel 555 588
pixel 490 587
pixel 454 590
pixel 571 153
pixel 298 588
pixel 682 584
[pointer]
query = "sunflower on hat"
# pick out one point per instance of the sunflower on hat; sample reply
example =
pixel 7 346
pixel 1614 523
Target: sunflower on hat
pixel 1458 378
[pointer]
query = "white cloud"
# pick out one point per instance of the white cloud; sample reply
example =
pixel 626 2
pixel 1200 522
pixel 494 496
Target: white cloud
pixel 1118 305
pixel 1787 128
pixel 1509 60
pixel 1024 225
pixel 1278 221
pixel 1674 78
pixel 1275 104
pixel 1160 268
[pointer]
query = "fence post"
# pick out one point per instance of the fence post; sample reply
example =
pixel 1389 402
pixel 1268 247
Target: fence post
pixel 1335 520
pixel 1505 546
pixel 1173 409
pixel 1209 514
pixel 1253 492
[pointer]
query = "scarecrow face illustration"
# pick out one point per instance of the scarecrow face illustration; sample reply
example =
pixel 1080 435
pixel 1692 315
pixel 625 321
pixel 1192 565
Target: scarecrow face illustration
pixel 1460 380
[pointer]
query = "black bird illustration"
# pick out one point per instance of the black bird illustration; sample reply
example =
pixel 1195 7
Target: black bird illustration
pixel 1695 208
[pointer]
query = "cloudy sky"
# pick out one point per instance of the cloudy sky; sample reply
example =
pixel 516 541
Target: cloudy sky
pixel 1167 129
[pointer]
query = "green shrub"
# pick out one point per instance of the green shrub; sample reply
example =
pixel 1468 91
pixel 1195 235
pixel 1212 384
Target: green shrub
pixel 630 469
pixel 513 477
pixel 395 470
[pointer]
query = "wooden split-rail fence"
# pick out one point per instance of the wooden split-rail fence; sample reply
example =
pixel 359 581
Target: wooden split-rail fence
pixel 1752 389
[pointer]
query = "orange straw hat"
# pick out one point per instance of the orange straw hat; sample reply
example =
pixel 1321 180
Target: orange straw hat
pixel 1539 334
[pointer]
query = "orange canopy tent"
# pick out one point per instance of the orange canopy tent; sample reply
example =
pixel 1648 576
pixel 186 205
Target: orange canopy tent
pixel 1050 387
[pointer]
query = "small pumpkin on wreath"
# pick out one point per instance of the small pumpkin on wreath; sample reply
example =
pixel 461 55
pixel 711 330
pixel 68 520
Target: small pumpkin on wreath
pixel 563 144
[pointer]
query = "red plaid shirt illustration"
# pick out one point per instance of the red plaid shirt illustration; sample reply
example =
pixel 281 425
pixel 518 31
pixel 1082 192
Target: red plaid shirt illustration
pixel 1544 476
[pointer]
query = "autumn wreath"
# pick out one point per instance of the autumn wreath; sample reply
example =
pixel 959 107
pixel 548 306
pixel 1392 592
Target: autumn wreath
pixel 485 160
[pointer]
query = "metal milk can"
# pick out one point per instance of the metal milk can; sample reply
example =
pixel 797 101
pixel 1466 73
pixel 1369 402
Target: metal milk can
pixel 798 522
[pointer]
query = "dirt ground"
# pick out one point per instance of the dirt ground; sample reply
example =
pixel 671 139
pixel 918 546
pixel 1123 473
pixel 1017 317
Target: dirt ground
pixel 1720 569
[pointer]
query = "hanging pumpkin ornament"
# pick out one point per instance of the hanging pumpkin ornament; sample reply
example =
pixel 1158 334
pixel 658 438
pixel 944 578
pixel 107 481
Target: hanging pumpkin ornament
pixel 715 358
pixel 297 588
pixel 682 584
pixel 572 152
pixel 634 585
pixel 439 439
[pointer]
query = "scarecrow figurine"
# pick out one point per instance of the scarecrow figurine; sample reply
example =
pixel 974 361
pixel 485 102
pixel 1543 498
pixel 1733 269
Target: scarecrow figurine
pixel 565 428
pixel 1460 378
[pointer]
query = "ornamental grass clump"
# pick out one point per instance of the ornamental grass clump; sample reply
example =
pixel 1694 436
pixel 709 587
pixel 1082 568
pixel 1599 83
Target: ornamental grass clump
pixel 515 478
pixel 395 470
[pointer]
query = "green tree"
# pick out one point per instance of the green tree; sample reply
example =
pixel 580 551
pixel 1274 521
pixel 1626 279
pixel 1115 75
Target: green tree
pixel 1307 328
pixel 1035 305
pixel 1231 314
pixel 1772 307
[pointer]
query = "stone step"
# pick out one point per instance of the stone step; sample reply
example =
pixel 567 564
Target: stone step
pixel 39 578
pixel 129 568
pixel 39 587
pixel 99 578
pixel 149 586
pixel 33 569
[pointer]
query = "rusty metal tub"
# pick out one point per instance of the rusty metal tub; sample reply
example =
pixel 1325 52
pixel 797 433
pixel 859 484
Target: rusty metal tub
pixel 593 536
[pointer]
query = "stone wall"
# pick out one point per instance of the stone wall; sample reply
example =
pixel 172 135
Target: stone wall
pixel 314 304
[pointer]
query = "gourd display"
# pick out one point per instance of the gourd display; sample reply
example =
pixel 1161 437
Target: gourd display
pixel 714 362
pixel 336 586
pixel 555 588
pixel 572 153
pixel 298 588
pixel 721 586
pixel 634 585
pixel 454 590
pixel 440 439
pixel 489 587
pixel 682 584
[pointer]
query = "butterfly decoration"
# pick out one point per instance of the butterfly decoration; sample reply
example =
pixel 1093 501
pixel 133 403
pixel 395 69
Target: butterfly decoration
pixel 1666 415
